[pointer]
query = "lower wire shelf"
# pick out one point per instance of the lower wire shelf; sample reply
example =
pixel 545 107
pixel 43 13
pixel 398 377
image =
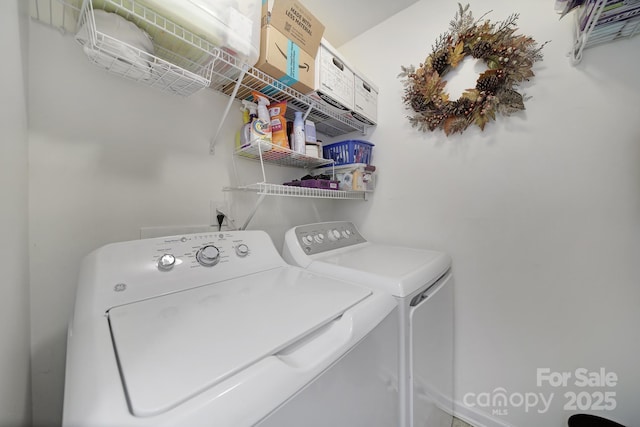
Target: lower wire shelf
pixel 291 191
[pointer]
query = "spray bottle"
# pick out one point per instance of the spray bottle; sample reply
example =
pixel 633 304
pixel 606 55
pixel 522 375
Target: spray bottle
pixel 249 114
pixel 261 127
pixel 263 102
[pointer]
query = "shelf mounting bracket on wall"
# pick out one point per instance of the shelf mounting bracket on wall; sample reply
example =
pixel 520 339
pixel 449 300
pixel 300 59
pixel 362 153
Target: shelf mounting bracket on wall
pixel 232 98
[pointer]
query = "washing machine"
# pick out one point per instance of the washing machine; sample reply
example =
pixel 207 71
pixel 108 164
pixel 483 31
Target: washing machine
pixel 215 329
pixel 422 283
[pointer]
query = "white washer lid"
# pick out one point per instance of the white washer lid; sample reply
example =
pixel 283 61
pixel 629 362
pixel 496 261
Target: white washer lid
pixel 397 270
pixel 172 347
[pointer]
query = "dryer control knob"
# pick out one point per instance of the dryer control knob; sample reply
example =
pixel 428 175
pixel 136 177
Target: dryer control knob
pixel 334 235
pixel 242 250
pixel 319 238
pixel 166 262
pixel 208 256
pixel 307 240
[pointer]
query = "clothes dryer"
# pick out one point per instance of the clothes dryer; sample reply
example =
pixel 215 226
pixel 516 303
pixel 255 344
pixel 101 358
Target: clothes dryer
pixel 215 329
pixel 421 282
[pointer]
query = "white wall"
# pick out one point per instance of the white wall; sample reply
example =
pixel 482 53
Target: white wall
pixel 540 212
pixel 14 303
pixel 108 157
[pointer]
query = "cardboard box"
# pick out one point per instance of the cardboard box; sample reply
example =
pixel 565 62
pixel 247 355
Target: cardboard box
pixel 295 21
pixel 334 80
pixel 285 61
pixel 365 101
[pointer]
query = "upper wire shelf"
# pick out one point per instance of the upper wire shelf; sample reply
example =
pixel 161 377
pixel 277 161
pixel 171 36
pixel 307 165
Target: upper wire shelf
pixel 179 62
pixel 327 121
pixel 182 62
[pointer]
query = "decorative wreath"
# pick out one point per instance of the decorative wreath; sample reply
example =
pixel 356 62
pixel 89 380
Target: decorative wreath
pixel 509 57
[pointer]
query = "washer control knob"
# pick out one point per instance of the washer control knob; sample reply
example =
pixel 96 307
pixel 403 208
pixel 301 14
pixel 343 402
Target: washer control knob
pixel 334 235
pixel 346 234
pixel 307 239
pixel 208 256
pixel 319 237
pixel 166 262
pixel 242 250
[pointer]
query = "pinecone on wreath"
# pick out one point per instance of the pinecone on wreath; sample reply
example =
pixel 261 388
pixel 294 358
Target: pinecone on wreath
pixel 460 107
pixel 440 62
pixel 463 107
pixel 488 84
pixel 481 49
pixel 419 102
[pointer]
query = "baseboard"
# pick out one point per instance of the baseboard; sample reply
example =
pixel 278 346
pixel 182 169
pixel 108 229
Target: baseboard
pixel 476 417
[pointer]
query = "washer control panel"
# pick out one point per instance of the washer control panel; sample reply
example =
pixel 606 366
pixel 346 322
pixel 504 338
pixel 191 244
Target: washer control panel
pixel 124 272
pixel 205 250
pixel 327 236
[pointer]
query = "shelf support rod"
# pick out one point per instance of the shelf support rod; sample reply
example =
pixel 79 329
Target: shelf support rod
pixel 307 113
pixel 253 212
pixel 583 35
pixel 214 140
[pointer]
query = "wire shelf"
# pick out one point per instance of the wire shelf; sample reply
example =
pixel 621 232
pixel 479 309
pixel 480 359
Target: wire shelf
pixel 60 14
pixel 327 121
pixel 280 156
pixel 291 191
pixel 165 69
pixel 182 62
pixel 600 21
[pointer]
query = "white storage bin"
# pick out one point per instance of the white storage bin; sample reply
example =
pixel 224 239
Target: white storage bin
pixel 365 101
pixel 334 81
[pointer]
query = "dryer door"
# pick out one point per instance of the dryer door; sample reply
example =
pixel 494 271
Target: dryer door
pixel 431 354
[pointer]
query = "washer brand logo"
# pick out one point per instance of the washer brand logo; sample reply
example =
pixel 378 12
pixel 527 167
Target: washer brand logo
pixel 120 287
pixel 499 400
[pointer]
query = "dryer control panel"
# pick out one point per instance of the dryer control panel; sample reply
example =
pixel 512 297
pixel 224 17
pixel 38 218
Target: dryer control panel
pixel 327 236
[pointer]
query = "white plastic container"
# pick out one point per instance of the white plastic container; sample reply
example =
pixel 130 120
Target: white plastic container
pixel 230 24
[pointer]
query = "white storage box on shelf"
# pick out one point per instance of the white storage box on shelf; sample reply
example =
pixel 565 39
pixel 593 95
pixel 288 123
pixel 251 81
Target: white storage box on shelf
pixel 115 34
pixel 334 81
pixel 365 101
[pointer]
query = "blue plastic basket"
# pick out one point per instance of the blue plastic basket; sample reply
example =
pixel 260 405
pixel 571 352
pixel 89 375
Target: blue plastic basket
pixel 349 151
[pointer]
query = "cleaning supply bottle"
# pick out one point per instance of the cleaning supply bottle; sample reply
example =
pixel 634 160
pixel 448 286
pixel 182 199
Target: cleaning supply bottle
pixel 298 133
pixel 263 111
pixel 249 114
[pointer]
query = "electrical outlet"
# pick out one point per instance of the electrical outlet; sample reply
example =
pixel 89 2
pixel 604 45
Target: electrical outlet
pixel 220 207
